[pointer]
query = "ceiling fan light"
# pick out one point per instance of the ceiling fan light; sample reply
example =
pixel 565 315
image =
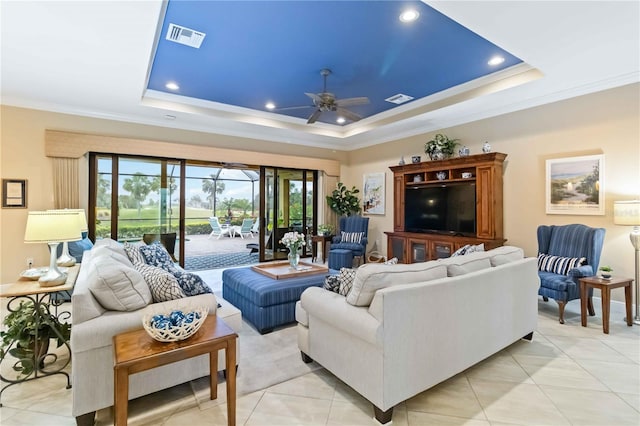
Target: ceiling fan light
pixel 409 15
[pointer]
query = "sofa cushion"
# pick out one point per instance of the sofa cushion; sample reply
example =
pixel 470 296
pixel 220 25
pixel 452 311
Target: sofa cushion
pixel 132 251
pixel 346 277
pixel 461 265
pixel 77 248
pixel 505 254
pixel 116 285
pixel 191 284
pixel 104 251
pixel 162 284
pixel 111 244
pixel 156 255
pixel 332 283
pixel 371 277
pixel 558 264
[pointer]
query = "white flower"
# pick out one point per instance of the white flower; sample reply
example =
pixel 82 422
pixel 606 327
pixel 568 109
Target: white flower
pixel 293 240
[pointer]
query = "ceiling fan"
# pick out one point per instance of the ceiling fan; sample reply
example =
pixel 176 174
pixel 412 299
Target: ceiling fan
pixel 326 101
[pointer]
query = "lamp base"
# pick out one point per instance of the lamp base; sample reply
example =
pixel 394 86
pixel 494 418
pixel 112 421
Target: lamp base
pixel 65 258
pixel 54 276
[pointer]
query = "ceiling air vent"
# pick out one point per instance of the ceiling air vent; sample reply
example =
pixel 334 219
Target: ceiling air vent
pixel 399 99
pixel 185 36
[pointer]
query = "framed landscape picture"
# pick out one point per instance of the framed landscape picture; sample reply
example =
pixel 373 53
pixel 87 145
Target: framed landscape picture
pixel 373 194
pixel 575 185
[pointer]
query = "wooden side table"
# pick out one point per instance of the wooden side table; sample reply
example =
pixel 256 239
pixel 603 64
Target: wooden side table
pixel 605 287
pixel 136 351
pixel 325 240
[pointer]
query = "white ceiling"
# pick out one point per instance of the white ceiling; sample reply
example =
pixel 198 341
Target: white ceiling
pixel 91 58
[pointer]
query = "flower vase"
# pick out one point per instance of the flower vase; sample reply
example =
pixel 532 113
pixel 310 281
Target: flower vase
pixel 294 258
pixel 437 155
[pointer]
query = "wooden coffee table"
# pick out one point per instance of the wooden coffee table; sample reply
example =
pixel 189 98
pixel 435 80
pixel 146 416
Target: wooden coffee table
pixel 136 351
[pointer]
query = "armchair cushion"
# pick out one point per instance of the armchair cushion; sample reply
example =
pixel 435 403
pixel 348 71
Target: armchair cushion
pixel 351 237
pixel 559 264
pixel 555 281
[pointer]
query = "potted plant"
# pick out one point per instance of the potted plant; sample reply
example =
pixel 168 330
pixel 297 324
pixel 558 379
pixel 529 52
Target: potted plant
pixel 605 272
pixel 440 147
pixel 325 229
pixel 19 336
pixel 344 201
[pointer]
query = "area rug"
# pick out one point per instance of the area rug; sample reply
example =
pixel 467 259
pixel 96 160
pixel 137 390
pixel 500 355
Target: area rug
pixel 217 261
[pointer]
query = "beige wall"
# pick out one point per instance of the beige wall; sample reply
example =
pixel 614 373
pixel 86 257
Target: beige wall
pixel 606 122
pixel 603 123
pixel 22 156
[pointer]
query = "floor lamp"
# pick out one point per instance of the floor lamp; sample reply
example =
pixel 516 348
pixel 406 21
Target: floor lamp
pixel 628 213
pixel 52 227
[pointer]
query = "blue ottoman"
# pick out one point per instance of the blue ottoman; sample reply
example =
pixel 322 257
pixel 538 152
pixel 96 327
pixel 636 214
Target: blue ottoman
pixel 264 302
pixel 340 258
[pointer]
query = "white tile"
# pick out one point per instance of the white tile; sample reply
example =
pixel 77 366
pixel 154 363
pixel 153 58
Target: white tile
pixel 417 418
pixel 501 367
pixel 347 414
pixel 315 385
pixel 31 418
pixel 454 397
pixel 619 377
pixel 582 348
pixel 563 372
pixel 290 408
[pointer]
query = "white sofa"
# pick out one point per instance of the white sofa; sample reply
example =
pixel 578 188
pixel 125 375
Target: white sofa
pixel 92 331
pixel 417 325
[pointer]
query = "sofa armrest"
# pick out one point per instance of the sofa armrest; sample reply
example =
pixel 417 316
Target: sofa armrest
pixel 332 308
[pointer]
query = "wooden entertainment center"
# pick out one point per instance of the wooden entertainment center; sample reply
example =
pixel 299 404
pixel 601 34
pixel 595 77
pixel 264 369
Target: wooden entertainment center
pixel 485 170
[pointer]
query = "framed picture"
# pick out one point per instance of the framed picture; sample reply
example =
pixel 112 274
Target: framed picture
pixel 373 194
pixel 14 193
pixel 575 185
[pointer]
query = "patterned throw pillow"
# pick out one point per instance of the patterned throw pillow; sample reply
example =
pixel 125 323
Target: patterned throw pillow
pixel 469 248
pixel 192 284
pixel 162 284
pixel 346 278
pixel 351 237
pixel 156 255
pixel 558 264
pixel 392 261
pixel 332 283
pixel 133 252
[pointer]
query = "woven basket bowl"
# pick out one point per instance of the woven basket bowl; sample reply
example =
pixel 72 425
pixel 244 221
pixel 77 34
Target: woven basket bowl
pixel 174 333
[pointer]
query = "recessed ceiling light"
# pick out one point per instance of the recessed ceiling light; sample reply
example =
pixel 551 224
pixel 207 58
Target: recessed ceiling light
pixel 270 105
pixel 409 15
pixel 496 60
pixel 172 86
pixel 340 120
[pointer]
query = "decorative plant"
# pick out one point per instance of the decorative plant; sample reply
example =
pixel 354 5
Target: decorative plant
pixel 440 143
pixel 606 268
pixel 20 329
pixel 344 201
pixel 325 229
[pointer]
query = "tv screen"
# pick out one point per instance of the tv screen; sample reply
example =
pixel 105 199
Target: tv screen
pixel 448 208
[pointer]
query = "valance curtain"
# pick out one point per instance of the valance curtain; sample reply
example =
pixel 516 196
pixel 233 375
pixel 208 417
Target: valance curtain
pixel 66 185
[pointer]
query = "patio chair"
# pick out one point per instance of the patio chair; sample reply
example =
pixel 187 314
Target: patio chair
pixel 217 229
pixel 247 224
pixel 255 229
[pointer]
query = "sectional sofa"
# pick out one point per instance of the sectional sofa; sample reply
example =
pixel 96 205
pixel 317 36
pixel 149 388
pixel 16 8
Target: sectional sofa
pixel 405 328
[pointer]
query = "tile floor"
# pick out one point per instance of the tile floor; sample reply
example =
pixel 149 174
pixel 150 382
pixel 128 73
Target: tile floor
pixel 568 375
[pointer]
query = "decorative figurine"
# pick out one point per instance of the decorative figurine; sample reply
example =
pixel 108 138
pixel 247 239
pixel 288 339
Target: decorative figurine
pixel 415 159
pixel 401 162
pixel 463 152
pixel 486 147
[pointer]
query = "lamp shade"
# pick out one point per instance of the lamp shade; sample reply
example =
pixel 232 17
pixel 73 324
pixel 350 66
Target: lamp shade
pixel 84 227
pixel 626 213
pixel 48 226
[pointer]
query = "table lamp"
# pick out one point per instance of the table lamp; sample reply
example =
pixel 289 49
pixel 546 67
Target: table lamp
pixel 52 227
pixel 65 259
pixel 628 213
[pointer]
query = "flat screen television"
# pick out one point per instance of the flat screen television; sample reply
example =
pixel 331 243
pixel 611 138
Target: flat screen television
pixel 443 208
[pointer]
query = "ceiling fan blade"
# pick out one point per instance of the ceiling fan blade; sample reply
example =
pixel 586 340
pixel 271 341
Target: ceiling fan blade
pixel 315 97
pixel 352 101
pixel 348 114
pixel 314 117
pixel 294 107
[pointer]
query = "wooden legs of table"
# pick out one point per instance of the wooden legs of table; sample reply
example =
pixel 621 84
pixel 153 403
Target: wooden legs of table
pixel 120 395
pixel 230 354
pixel 627 303
pixel 605 294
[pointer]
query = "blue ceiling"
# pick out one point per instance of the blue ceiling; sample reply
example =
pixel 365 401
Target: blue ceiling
pixel 260 51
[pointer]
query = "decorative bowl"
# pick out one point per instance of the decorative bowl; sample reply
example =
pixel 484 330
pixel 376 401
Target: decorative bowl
pixel 441 175
pixel 33 273
pixel 175 325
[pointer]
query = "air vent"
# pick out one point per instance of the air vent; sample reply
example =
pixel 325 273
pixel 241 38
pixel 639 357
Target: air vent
pixel 399 99
pixel 185 36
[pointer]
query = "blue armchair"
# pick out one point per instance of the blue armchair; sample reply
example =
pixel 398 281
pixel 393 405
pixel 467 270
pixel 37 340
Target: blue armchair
pixel 352 224
pixel 571 241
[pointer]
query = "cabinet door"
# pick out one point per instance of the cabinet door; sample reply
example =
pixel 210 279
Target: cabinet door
pixel 485 203
pixel 418 251
pixel 441 249
pixel 398 203
pixel 397 247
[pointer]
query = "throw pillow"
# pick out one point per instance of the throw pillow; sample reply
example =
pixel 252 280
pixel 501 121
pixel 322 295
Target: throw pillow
pixel 392 261
pixel 116 285
pixel 469 248
pixel 156 255
pixel 191 284
pixel 162 284
pixel 351 237
pixel 332 283
pixel 558 264
pixel 77 248
pixel 133 252
pixel 346 278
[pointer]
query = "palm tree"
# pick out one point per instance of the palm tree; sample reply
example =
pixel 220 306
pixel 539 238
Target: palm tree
pixel 212 187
